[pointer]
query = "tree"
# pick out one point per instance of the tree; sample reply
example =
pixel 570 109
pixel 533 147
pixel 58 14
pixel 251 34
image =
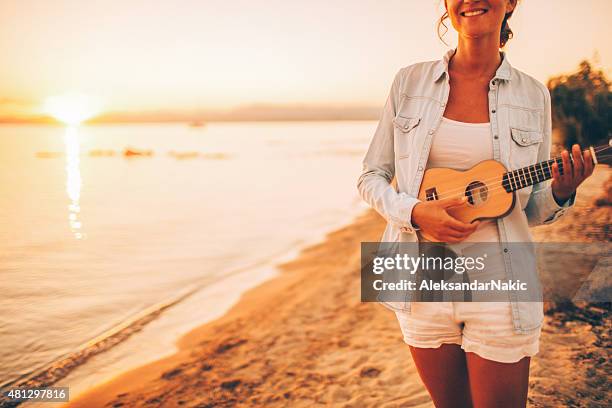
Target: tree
pixel 581 106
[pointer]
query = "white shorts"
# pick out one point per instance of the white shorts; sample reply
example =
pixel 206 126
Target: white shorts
pixel 483 328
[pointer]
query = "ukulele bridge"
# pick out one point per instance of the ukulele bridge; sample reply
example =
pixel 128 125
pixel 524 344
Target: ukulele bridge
pixel 431 194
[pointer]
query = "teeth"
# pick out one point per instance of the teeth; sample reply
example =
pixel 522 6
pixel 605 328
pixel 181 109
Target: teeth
pixel 473 13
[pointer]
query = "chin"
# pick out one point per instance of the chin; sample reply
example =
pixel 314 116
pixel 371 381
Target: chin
pixel 473 34
pixel 476 32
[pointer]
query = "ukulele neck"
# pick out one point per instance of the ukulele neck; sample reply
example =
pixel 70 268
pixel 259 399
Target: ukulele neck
pixel 536 173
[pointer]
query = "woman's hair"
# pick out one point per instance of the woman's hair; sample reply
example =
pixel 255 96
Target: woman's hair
pixel 504 35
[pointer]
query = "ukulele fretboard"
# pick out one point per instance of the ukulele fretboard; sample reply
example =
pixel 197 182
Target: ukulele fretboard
pixel 530 175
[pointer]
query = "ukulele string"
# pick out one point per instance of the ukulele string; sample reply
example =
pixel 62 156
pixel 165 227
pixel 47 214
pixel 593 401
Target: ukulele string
pixel 531 174
pixel 492 191
pixel 459 192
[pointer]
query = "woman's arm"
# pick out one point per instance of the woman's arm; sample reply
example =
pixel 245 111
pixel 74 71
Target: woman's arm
pixel 398 208
pixel 374 184
pixel 542 207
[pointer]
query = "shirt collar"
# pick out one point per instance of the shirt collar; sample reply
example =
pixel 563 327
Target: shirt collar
pixel 503 72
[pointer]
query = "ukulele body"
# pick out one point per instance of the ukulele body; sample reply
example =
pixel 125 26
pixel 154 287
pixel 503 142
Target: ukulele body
pixel 482 184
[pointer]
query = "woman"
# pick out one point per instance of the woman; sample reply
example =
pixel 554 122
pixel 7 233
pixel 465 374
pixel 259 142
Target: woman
pixel 470 106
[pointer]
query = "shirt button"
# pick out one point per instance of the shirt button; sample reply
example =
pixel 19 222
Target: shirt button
pixel 495 137
pixel 506 250
pixel 523 140
pixel 431 131
pixel 405 126
pixel 420 168
pixel 493 111
pixel 493 82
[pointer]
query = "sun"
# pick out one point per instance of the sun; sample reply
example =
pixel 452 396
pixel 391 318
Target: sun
pixel 71 108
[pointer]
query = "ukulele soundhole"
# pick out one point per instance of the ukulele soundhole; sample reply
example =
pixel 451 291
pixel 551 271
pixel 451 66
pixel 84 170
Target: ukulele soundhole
pixel 477 193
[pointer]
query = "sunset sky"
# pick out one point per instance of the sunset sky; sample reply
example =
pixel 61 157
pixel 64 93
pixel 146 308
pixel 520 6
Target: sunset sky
pixel 211 54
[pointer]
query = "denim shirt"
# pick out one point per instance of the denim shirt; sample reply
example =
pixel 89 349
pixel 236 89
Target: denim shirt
pixel 520 128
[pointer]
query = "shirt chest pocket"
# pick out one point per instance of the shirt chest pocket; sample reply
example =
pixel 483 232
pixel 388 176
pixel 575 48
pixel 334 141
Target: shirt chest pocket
pixel 404 131
pixel 524 146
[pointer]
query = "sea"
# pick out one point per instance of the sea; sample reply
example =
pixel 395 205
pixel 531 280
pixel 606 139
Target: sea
pixel 115 240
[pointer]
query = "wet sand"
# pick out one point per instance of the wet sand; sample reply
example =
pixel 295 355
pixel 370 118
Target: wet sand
pixel 305 339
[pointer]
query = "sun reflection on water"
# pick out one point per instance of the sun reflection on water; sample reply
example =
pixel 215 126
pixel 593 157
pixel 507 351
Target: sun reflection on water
pixel 73 180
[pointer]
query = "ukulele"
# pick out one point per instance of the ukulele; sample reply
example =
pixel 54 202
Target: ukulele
pixel 489 187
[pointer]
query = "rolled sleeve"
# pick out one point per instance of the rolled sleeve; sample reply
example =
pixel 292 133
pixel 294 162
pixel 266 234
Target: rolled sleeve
pixel 552 207
pixel 405 211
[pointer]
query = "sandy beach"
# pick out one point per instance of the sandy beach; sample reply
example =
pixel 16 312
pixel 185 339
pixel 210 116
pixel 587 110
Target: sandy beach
pixel 305 339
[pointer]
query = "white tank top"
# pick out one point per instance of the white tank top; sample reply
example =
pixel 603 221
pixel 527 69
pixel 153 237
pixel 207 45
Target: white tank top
pixel 460 146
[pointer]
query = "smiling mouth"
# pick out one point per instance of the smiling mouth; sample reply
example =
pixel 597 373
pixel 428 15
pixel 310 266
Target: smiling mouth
pixel 473 13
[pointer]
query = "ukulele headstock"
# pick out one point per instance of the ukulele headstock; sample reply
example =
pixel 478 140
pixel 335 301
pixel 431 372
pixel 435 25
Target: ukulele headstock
pixel 602 154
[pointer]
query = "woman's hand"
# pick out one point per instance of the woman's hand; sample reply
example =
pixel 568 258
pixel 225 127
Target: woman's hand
pixel 563 186
pixel 433 219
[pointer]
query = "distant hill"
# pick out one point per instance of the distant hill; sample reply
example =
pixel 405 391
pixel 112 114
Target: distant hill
pixel 256 112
